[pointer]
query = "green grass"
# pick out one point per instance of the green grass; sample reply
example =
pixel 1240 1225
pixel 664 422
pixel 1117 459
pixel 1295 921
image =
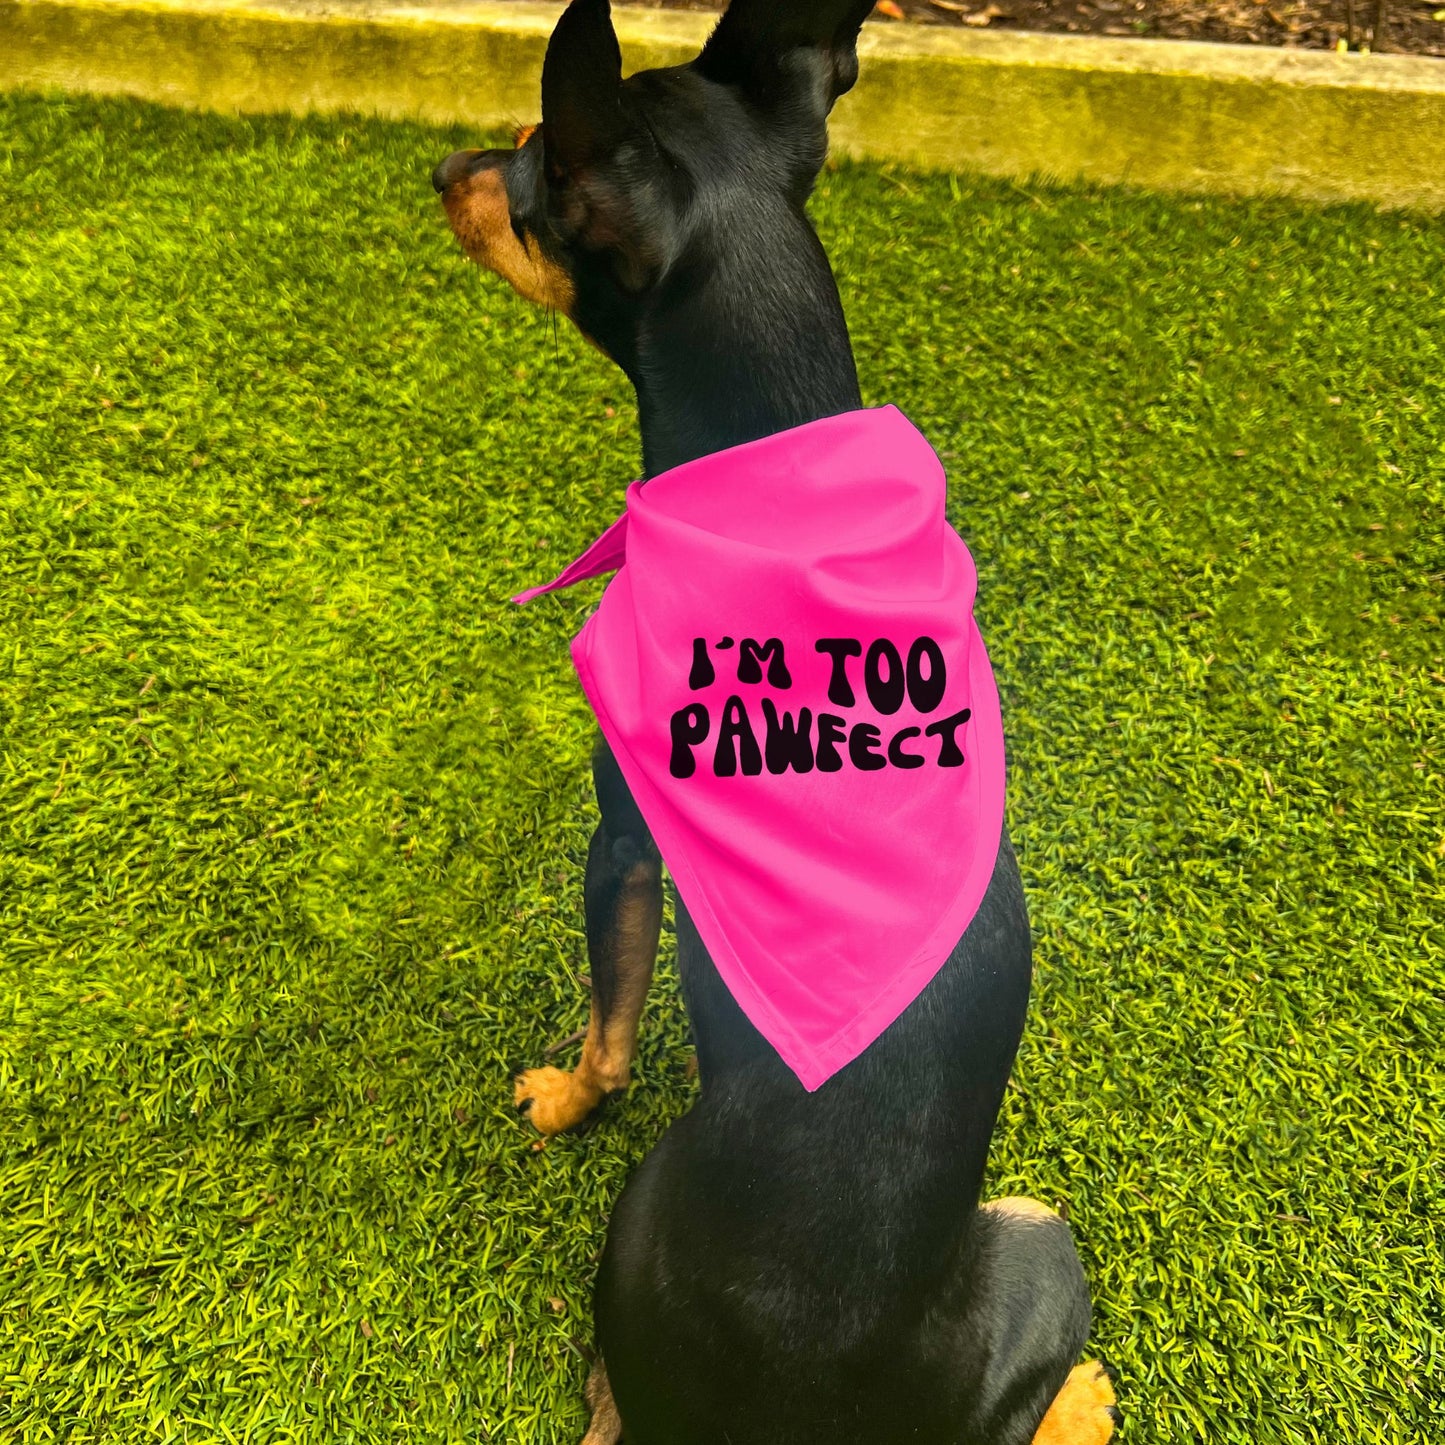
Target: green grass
pixel 293 804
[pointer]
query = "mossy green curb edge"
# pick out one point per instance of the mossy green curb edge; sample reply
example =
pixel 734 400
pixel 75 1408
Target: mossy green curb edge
pixel 1163 114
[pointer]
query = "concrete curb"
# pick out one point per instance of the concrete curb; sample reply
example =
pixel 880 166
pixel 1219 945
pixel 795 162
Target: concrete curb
pixel 1163 114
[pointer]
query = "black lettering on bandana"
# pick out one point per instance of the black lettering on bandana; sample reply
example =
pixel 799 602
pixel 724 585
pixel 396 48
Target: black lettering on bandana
pixel 786 746
pixel 897 756
pixel 736 729
pixel 702 674
pixel 840 690
pixel 788 743
pixel 750 654
pixel 832 730
pixel 925 693
pixel 862 748
pixel 886 694
pixel 689 727
pixel 950 755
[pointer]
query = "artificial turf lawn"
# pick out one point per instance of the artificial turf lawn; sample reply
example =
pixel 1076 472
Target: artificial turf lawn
pixel 294 804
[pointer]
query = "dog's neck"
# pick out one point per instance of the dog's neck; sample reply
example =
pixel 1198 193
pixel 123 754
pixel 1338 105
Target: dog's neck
pixel 753 350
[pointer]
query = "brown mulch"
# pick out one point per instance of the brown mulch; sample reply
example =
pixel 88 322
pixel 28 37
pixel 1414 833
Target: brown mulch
pixel 1414 27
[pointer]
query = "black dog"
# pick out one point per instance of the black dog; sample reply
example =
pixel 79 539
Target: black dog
pixel 785 1268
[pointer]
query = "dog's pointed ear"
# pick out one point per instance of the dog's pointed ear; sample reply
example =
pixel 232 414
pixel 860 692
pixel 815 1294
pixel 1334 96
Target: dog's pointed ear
pixel 582 120
pixel 587 125
pixel 757 44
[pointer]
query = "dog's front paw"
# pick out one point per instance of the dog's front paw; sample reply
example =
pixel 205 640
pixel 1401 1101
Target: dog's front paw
pixel 1084 1412
pixel 556 1100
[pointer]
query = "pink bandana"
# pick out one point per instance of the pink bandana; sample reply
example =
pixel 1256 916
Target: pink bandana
pixel 787 668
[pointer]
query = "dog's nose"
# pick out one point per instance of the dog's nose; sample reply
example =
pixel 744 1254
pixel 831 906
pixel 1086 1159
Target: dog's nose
pixel 456 167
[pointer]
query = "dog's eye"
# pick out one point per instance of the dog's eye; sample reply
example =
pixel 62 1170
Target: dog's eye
pixel 522 135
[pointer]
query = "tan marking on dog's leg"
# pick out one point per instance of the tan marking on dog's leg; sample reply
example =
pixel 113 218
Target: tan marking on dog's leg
pixel 1084 1412
pixel 606 1426
pixel 555 1099
pixel 1020 1206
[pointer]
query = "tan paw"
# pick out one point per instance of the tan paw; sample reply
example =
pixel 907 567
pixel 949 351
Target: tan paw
pixel 606 1426
pixel 1084 1412
pixel 555 1100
